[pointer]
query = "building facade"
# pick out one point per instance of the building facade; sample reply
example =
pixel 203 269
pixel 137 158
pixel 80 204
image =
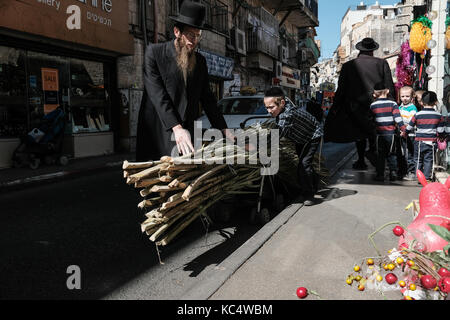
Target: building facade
pixel 61 54
pixel 387 24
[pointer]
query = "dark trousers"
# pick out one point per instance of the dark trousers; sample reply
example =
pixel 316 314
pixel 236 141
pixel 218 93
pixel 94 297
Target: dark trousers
pixel 407 161
pixel 305 171
pixel 423 154
pixel 361 146
pixel 386 151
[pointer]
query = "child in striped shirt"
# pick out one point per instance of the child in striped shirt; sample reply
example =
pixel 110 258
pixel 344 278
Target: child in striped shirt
pixel 407 111
pixel 387 115
pixel 429 124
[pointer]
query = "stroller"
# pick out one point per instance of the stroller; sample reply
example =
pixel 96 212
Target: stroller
pixel 43 143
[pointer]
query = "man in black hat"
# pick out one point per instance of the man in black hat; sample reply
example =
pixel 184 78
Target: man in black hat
pixel 176 83
pixel 350 119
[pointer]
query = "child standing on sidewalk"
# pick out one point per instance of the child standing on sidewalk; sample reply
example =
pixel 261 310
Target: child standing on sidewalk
pixel 387 115
pixel 407 111
pixel 429 125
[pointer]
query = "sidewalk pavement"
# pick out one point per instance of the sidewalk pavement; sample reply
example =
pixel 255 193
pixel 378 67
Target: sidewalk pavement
pixel 316 247
pixel 15 178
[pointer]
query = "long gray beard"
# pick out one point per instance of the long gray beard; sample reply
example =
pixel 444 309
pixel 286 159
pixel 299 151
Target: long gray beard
pixel 186 60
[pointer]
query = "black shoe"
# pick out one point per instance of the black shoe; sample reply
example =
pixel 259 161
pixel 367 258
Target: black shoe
pixel 372 157
pixel 393 176
pixel 379 178
pixel 359 165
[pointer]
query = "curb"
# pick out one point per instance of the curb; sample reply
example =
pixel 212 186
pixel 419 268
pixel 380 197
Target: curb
pixel 442 177
pixel 220 274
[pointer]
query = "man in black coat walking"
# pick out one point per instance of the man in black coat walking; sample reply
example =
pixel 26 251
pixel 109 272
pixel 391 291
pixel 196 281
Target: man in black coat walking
pixel 176 83
pixel 350 118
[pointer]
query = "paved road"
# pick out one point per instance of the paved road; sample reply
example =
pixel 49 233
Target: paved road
pixel 92 222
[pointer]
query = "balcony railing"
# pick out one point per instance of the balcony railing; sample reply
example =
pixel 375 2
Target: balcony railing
pixel 262 32
pixel 313 6
pixel 216 15
pixel 309 43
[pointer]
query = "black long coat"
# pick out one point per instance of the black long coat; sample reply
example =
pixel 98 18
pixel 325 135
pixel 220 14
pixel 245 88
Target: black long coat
pixel 167 101
pixel 350 118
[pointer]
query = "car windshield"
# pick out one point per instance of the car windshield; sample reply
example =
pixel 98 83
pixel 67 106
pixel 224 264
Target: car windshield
pixel 242 106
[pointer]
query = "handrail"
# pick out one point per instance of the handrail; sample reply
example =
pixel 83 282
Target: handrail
pixel 242 124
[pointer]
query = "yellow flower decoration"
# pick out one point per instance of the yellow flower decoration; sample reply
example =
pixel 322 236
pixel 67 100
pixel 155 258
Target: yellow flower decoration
pixel 420 34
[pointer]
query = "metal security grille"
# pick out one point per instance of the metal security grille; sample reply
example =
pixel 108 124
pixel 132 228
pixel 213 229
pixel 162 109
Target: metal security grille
pixel 216 15
pixel 263 32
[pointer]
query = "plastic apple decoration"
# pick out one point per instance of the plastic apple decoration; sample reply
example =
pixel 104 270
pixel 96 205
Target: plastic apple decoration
pixel 444 272
pixel 444 284
pixel 434 203
pixel 428 281
pixel 391 278
pixel 302 292
pixel 398 231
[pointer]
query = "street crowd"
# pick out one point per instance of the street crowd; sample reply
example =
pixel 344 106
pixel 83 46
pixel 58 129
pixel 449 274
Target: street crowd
pixel 404 135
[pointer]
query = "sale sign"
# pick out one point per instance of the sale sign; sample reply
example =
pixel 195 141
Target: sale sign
pixel 50 86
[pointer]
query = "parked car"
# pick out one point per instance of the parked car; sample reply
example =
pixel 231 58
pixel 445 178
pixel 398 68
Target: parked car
pixel 241 111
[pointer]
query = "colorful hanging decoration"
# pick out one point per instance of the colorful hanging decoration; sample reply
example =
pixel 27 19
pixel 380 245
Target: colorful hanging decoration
pixel 447 33
pixel 404 70
pixel 420 34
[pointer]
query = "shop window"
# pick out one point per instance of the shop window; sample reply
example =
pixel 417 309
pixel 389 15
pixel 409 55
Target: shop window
pixel 88 97
pixel 48 85
pixel 13 98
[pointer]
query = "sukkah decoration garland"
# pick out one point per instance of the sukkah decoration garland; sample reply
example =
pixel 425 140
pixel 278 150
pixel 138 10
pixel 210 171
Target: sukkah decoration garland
pixel 405 69
pixel 417 274
pixel 420 34
pixel 447 33
pixel 420 266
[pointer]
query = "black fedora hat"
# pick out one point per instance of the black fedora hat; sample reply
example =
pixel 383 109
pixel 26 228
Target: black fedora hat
pixel 191 14
pixel 367 44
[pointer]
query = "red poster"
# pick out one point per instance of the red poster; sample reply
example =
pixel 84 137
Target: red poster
pixel 50 86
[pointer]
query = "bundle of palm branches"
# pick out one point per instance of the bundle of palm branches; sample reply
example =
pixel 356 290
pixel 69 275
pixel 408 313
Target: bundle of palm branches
pixel 177 190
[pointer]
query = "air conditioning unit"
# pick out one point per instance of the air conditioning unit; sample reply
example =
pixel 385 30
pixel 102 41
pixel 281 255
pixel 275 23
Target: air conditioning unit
pixel 278 69
pixel 238 40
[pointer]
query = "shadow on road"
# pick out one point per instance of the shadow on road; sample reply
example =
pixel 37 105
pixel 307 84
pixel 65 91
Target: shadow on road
pixel 230 243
